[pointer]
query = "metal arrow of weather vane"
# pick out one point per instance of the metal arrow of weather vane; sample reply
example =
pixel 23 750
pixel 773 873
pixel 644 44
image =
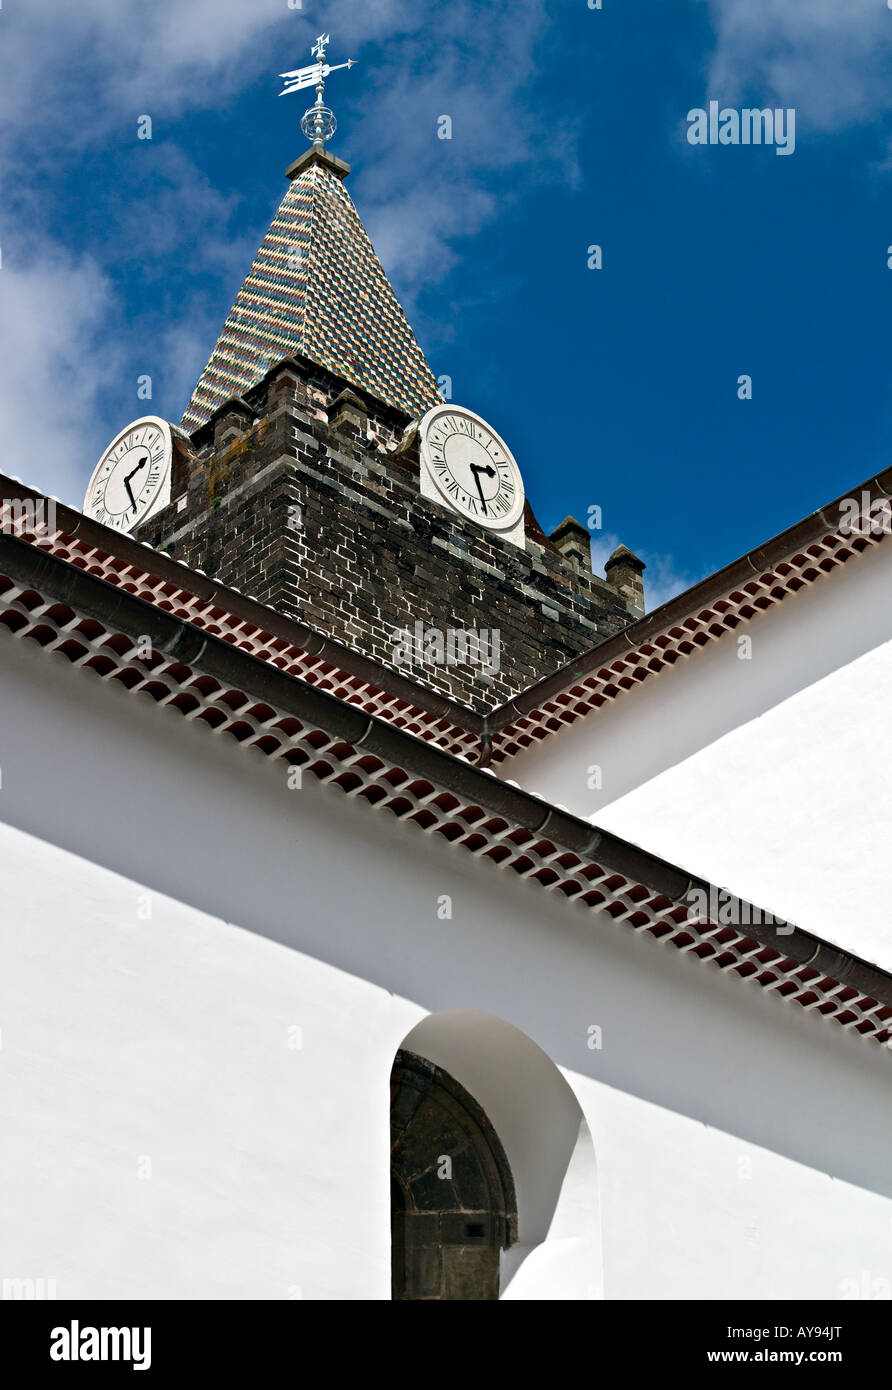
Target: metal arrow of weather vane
pixel 318 124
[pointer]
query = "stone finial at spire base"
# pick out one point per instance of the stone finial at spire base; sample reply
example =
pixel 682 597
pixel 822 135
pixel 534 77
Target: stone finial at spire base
pixel 624 570
pixel 340 167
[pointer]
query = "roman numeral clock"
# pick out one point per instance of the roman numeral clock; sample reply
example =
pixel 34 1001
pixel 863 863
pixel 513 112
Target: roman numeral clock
pixel 132 479
pixel 465 465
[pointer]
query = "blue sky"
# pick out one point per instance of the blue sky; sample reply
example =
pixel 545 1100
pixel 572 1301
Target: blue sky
pixel 616 387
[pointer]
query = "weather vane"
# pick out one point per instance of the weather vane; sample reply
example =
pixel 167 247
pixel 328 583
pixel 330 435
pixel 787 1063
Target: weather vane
pixel 318 124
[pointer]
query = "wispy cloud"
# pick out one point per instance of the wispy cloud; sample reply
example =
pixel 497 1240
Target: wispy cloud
pixel 55 358
pixel 830 59
pixel 663 578
pixel 70 72
pixel 66 338
pixel 75 77
pixel 495 149
pixel 177 206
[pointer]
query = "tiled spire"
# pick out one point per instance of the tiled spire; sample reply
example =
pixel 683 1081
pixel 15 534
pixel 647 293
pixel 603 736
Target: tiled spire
pixel 317 289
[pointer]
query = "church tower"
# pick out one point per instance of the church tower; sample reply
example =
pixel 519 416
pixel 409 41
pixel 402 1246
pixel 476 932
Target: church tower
pixel 319 469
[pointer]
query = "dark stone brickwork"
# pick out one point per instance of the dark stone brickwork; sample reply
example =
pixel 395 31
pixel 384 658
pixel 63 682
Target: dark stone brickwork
pixel 305 495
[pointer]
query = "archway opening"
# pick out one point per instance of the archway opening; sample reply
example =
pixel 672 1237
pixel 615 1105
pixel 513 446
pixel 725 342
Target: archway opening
pixel 517 1216
pixel 453 1205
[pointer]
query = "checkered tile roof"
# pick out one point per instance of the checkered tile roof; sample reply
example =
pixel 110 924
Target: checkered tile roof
pixel 316 288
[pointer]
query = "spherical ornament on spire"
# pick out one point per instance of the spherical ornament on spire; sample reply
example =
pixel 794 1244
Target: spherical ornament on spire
pixel 318 124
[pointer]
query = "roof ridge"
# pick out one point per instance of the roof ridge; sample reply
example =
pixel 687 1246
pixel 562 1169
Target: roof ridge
pixel 204 678
pixel 771 571
pixel 314 181
pixel 595 677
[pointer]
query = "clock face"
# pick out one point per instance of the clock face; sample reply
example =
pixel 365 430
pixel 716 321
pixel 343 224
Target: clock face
pixel 133 475
pixel 473 469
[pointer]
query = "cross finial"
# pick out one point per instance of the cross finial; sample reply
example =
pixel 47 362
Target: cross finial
pixel 318 124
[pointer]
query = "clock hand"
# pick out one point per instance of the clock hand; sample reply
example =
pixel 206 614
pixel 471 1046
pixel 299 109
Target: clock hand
pixel 132 474
pixel 142 463
pixel 477 469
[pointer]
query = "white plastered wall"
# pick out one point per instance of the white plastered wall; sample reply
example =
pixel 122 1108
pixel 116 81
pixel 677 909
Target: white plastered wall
pixel 207 971
pixel 771 776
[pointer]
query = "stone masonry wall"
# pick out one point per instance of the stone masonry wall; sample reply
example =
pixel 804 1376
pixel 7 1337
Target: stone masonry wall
pixel 300 495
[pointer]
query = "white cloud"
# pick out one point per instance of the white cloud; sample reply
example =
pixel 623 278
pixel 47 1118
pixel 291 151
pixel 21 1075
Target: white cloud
pixel 415 234
pixel 425 193
pixel 663 578
pixel 178 208
pixel 827 58
pixel 55 358
pixel 184 347
pixel 65 341
pixel 77 69
pixel 603 545
pixel 75 77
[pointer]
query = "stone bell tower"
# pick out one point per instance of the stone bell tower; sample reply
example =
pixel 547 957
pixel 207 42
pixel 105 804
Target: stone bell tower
pixel 297 473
